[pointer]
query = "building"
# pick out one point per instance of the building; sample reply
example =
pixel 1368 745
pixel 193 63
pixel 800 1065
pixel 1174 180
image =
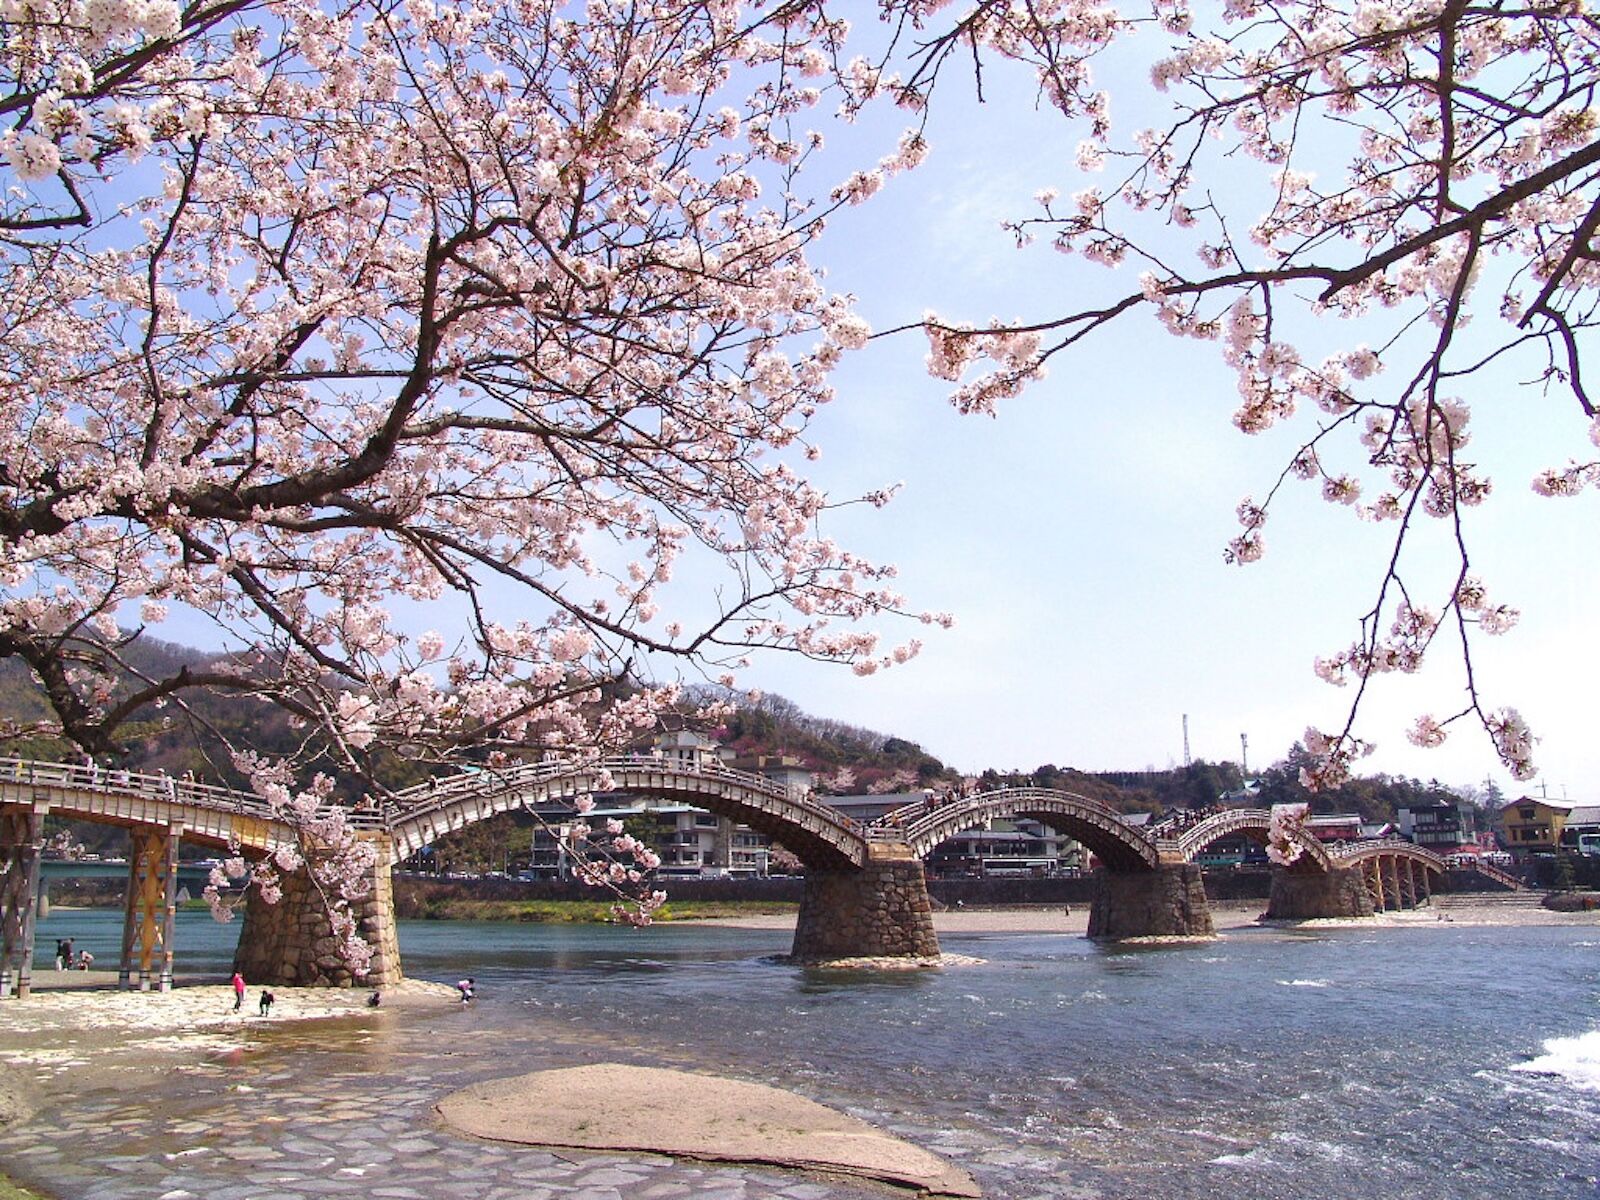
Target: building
pixel 689 750
pixel 784 769
pixel 1581 830
pixel 1007 847
pixel 1533 826
pixel 868 807
pixel 689 841
pixel 1443 826
pixel 1001 847
pixel 1335 827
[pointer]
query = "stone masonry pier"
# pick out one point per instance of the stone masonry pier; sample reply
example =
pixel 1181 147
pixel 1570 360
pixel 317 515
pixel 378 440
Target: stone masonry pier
pixel 1169 901
pixel 1309 895
pixel 880 910
pixel 291 942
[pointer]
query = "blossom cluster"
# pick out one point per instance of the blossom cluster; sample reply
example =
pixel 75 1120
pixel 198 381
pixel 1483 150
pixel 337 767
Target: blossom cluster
pixel 1332 757
pixel 1285 830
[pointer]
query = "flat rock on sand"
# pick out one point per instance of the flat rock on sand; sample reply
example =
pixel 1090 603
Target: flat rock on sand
pixel 609 1106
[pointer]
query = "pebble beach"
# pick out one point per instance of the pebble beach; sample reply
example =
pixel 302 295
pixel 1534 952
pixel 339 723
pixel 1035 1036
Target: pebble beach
pixel 78 1022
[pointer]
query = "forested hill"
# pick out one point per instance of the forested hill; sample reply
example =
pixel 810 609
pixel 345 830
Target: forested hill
pixel 847 759
pixel 850 759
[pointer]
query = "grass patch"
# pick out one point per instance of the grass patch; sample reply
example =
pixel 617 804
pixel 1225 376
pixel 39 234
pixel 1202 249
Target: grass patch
pixel 705 910
pixel 11 1191
pixel 588 912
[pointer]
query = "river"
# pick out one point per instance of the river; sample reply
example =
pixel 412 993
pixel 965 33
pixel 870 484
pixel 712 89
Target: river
pixel 1440 1061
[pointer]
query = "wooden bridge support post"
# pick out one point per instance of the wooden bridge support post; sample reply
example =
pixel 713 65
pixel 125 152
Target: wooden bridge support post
pixel 1381 899
pixel 1427 885
pixel 151 910
pixel 1393 886
pixel 291 942
pixel 881 910
pixel 1169 901
pixel 21 849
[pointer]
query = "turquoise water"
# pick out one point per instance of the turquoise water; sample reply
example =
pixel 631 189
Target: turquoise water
pixel 1358 1063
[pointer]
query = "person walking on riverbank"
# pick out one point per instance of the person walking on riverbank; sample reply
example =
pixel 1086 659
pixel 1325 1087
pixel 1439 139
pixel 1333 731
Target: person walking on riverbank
pixel 467 988
pixel 238 991
pixel 267 999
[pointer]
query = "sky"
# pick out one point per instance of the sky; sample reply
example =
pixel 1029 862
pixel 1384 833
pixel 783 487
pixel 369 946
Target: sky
pixel 1078 536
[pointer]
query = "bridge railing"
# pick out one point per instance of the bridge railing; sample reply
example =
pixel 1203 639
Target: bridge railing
pixel 117 782
pixel 942 810
pixel 84 777
pixel 926 814
pixel 1346 850
pixel 381 814
pixel 489 781
pixel 1490 871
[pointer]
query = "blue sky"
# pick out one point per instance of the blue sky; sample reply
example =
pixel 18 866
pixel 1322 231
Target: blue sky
pixel 1078 537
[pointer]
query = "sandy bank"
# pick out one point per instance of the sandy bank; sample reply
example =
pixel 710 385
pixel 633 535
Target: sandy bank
pixel 1226 916
pixel 1054 918
pixel 609 1106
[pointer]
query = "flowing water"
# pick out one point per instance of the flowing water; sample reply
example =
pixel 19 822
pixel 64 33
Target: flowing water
pixel 1441 1061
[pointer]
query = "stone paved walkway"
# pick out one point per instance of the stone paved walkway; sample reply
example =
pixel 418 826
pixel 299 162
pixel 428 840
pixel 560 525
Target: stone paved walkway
pixel 349 1121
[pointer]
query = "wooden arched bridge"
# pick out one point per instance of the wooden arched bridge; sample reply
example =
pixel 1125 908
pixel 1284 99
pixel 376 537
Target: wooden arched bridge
pixel 864 892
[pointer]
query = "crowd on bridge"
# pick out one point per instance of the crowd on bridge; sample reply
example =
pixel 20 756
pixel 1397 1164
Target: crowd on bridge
pixel 932 799
pixel 1178 820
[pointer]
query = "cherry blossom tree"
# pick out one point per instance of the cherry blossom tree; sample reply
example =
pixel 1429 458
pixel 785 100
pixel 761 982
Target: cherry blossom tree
pixel 895 781
pixel 319 319
pixel 1338 192
pixel 1285 828
pixel 331 322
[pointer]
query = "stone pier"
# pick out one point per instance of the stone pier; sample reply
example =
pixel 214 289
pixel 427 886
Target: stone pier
pixel 879 911
pixel 1306 895
pixel 1169 901
pixel 292 943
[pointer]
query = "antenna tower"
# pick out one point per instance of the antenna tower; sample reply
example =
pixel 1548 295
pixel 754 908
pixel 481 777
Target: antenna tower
pixel 1185 741
pixel 1244 755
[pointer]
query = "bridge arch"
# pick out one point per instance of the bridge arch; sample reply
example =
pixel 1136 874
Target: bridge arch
pixel 818 835
pixel 1395 873
pixel 1096 825
pixel 1255 824
pixel 1354 853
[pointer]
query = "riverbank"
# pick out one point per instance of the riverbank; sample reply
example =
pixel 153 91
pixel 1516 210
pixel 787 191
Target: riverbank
pixel 1225 916
pixel 79 1019
pixel 351 1107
